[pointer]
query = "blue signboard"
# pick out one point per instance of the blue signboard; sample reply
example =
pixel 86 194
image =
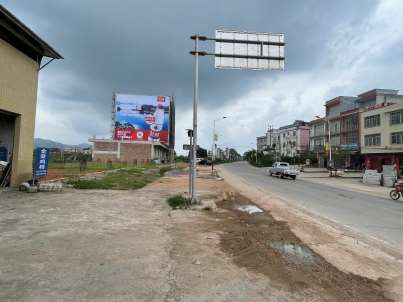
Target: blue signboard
pixel 41 162
pixel 3 153
pixel 349 147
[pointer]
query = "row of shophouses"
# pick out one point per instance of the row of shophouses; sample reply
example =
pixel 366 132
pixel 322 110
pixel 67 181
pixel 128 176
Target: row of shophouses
pixel 364 131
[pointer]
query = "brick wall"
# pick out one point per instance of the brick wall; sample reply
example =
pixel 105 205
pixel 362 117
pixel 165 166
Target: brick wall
pixel 105 146
pixel 131 152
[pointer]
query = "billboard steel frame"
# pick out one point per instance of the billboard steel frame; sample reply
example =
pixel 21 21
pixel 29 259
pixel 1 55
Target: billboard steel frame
pixel 196 53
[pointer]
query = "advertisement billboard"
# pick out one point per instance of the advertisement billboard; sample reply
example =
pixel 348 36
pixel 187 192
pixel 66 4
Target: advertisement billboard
pixel 142 118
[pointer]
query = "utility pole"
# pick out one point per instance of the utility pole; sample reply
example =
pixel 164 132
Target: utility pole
pixel 195 101
pixel 213 148
pixel 330 146
pixel 190 135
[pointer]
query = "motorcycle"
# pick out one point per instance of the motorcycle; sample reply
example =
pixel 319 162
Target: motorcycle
pixel 396 193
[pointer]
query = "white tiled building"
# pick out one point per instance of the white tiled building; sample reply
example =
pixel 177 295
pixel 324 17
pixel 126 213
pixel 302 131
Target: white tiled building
pixel 294 139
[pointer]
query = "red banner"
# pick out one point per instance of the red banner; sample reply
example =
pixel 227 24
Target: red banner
pixel 141 135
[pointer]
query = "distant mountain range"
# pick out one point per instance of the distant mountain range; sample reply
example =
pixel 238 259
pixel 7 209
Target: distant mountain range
pixel 47 143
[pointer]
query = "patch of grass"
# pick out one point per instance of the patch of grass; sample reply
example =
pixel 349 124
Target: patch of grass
pixel 73 168
pixel 178 202
pixel 123 179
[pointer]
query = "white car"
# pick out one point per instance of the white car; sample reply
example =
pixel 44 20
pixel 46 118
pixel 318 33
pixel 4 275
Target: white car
pixel 283 169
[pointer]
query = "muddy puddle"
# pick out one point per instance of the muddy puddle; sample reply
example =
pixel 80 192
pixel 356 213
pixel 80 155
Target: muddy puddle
pixel 264 245
pixel 294 253
pixel 250 209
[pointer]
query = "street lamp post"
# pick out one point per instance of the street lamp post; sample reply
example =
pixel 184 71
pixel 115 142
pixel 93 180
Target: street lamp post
pixel 214 140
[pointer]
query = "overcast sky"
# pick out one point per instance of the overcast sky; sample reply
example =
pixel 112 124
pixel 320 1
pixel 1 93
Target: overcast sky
pixel 333 48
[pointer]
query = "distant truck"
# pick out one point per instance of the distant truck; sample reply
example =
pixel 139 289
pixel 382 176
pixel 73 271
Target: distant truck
pixel 283 169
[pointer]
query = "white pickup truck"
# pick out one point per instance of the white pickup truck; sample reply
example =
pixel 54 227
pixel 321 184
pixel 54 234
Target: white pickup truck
pixel 283 169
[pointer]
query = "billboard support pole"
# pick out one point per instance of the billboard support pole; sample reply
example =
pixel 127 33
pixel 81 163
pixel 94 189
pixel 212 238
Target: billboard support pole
pixel 190 164
pixel 261 55
pixel 195 101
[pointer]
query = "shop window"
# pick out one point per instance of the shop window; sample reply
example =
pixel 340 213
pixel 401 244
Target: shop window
pixel 396 117
pixel 372 121
pixel 397 138
pixel 373 140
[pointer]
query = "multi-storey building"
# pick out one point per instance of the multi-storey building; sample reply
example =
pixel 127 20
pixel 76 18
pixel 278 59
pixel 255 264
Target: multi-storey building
pixel 269 142
pixel 318 139
pixel 382 136
pixel 294 139
pixel 261 143
pixel 343 118
pixel 336 110
pixel 342 115
pixel 273 139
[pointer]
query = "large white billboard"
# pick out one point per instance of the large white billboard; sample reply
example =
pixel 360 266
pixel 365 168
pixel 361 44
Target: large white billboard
pixel 245 50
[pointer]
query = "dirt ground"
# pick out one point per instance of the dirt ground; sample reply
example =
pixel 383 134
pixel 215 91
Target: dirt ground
pixel 130 246
pixel 345 249
pixel 265 245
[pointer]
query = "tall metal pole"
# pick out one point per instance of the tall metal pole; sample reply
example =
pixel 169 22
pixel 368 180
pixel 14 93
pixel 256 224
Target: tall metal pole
pixel 330 146
pixel 190 164
pixel 195 101
pixel 213 149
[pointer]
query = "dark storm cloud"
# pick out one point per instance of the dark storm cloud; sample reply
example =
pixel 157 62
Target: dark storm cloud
pixel 142 46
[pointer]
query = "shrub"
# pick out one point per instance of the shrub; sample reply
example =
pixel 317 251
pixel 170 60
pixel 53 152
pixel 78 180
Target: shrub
pixel 178 202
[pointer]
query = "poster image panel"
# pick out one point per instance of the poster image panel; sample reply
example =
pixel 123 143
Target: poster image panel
pixel 142 118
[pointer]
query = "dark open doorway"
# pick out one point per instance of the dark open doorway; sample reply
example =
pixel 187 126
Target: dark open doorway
pixel 7 131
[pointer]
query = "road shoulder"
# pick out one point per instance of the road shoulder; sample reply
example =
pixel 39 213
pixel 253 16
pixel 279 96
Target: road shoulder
pixel 344 248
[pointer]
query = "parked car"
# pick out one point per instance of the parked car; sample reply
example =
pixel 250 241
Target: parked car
pixel 283 169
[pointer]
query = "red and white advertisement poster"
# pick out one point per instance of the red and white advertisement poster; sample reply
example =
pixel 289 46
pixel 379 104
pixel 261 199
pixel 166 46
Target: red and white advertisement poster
pixel 142 118
pixel 140 135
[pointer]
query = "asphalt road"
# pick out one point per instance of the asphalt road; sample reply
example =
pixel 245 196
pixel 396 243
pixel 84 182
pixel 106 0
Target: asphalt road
pixel 381 218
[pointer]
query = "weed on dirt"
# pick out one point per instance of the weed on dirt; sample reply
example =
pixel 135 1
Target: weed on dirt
pixel 123 179
pixel 178 202
pixel 260 243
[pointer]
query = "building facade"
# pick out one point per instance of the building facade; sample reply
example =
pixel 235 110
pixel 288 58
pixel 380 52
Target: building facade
pixel 342 115
pixel 318 139
pixel 21 53
pixel 382 136
pixel 269 142
pixel 261 143
pixel 294 139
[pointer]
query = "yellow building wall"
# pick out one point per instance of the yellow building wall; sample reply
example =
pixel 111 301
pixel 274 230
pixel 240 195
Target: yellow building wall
pixel 385 129
pixel 18 93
